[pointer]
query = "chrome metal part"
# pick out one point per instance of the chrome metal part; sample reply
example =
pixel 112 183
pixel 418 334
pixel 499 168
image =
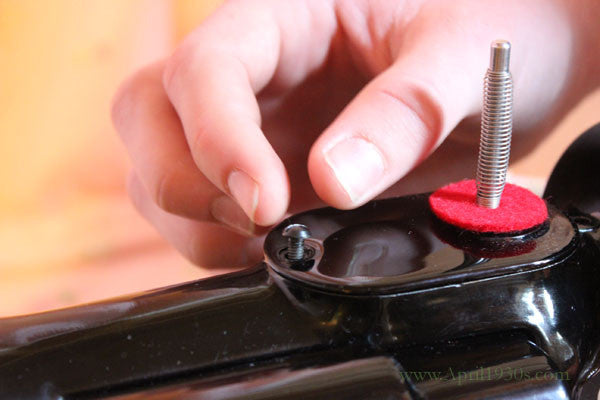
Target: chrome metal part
pixel 296 234
pixel 496 127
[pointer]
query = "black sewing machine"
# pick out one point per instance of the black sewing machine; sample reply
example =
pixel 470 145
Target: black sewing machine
pixel 384 302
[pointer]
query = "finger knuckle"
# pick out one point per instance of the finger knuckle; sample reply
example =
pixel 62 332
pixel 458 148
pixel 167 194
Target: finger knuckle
pixel 423 102
pixel 203 251
pixel 195 252
pixel 121 102
pixel 179 64
pixel 199 253
pixel 164 192
pixel 126 98
pixel 134 190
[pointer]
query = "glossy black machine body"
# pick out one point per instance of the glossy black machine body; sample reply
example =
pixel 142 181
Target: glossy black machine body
pixel 389 303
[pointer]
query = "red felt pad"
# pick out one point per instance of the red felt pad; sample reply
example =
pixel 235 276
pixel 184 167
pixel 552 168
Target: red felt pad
pixel 457 205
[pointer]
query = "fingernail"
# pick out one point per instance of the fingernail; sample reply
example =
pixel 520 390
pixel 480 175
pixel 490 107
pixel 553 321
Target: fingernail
pixel 357 165
pixel 244 190
pixel 228 212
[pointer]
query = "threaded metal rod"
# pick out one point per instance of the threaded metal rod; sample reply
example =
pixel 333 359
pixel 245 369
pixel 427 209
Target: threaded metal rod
pixel 296 234
pixel 295 249
pixel 496 127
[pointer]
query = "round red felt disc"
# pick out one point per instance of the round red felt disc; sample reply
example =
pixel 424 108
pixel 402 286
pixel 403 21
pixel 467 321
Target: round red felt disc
pixel 519 208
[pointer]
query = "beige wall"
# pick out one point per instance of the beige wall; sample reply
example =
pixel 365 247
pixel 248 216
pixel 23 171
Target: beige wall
pixel 67 231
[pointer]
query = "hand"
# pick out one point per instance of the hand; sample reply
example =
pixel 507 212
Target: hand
pixel 277 106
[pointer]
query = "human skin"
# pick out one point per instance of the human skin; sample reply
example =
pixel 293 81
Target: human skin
pixel 271 107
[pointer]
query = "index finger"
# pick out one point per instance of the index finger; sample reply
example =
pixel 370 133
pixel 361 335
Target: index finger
pixel 212 80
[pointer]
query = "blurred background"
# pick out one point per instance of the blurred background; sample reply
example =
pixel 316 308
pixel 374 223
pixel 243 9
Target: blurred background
pixel 68 234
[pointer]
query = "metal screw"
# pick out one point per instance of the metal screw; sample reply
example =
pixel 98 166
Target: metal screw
pixel 496 127
pixel 296 234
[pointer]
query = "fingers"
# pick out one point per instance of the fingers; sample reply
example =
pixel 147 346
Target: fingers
pixel 203 243
pixel 396 121
pixel 153 136
pixel 213 93
pixel 212 80
pixel 152 133
pixel 227 144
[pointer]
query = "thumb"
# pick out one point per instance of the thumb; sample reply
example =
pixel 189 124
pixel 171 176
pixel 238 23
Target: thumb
pixel 395 122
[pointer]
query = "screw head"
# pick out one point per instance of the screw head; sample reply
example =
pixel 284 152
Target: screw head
pixel 296 231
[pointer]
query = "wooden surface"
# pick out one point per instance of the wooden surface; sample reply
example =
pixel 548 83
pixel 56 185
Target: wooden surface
pixel 67 232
